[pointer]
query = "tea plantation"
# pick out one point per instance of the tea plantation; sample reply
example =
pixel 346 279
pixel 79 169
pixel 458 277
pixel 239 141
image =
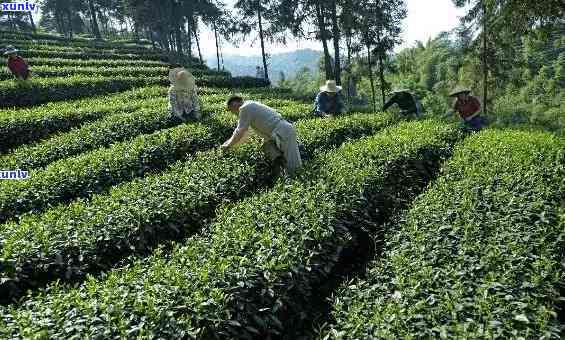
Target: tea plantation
pixel 135 225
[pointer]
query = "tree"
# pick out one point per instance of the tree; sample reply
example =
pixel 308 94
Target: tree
pixel 379 26
pixel 32 23
pixel 296 16
pixel 261 16
pixel 323 35
pixel 500 23
pixel 16 21
pixel 336 38
pixel 214 15
pixel 65 14
pixel 94 21
pixel 196 37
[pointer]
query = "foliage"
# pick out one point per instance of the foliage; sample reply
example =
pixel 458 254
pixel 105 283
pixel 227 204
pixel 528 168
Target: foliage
pixel 39 91
pixel 18 127
pixel 98 169
pixel 477 256
pixel 83 217
pixel 278 243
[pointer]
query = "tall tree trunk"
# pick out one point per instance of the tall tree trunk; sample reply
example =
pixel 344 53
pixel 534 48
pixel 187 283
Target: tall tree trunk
pixel 195 29
pixel 178 35
pixel 217 43
pixel 348 43
pixel 485 64
pixel 336 37
pixel 222 57
pixel 104 22
pixel 70 21
pixel 371 78
pixel 351 85
pixel 59 22
pixel 151 38
pixel 322 29
pixel 94 22
pixel 262 42
pixel 164 39
pixel 12 22
pixel 189 38
pixel 381 69
pixel 382 77
pixel 173 41
pixel 135 29
pixel 32 23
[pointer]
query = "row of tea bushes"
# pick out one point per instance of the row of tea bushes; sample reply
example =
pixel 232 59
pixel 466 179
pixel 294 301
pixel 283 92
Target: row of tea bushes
pixel 479 255
pixel 38 91
pixel 166 201
pixel 259 260
pixel 94 171
pixel 23 126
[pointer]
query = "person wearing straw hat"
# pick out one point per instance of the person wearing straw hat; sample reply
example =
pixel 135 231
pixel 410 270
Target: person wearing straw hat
pixel 17 64
pixel 184 102
pixel 329 100
pixel 469 109
pixel 280 142
pixel 406 101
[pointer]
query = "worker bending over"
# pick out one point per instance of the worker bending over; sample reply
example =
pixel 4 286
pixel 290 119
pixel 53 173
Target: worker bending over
pixel 279 136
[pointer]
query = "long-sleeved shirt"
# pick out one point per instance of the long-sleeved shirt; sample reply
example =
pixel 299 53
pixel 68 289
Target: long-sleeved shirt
pixel 261 118
pixel 329 104
pixel 18 67
pixel 185 103
pixel 468 108
pixel 405 101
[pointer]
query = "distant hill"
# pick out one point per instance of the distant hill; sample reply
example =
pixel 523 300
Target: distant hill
pixel 289 63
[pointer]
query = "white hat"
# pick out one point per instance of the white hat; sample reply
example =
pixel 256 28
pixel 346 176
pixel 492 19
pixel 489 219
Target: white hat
pixel 181 79
pixel 10 49
pixel 330 87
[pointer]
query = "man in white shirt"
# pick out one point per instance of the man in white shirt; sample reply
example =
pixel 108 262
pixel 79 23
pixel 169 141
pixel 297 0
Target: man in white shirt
pixel 279 136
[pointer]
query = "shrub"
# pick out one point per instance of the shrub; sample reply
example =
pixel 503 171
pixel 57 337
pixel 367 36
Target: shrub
pixel 93 55
pixel 18 127
pixel 40 91
pixel 108 227
pixel 252 267
pixel 478 255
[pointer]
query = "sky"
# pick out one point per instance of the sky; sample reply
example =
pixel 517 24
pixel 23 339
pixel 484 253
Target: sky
pixel 425 20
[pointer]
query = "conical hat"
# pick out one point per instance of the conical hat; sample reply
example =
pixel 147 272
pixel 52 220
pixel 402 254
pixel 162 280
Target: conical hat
pixel 181 79
pixel 459 90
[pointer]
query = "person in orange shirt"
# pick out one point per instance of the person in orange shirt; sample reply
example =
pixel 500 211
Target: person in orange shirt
pixel 469 109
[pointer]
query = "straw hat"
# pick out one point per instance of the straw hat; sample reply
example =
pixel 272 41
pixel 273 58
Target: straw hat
pixel 459 90
pixel 10 49
pixel 330 87
pixel 181 79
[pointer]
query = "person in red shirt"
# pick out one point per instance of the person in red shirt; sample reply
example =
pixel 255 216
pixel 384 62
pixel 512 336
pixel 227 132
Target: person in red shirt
pixel 17 64
pixel 469 109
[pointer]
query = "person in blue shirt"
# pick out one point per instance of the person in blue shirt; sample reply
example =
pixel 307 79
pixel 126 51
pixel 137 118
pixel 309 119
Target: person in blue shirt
pixel 329 101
